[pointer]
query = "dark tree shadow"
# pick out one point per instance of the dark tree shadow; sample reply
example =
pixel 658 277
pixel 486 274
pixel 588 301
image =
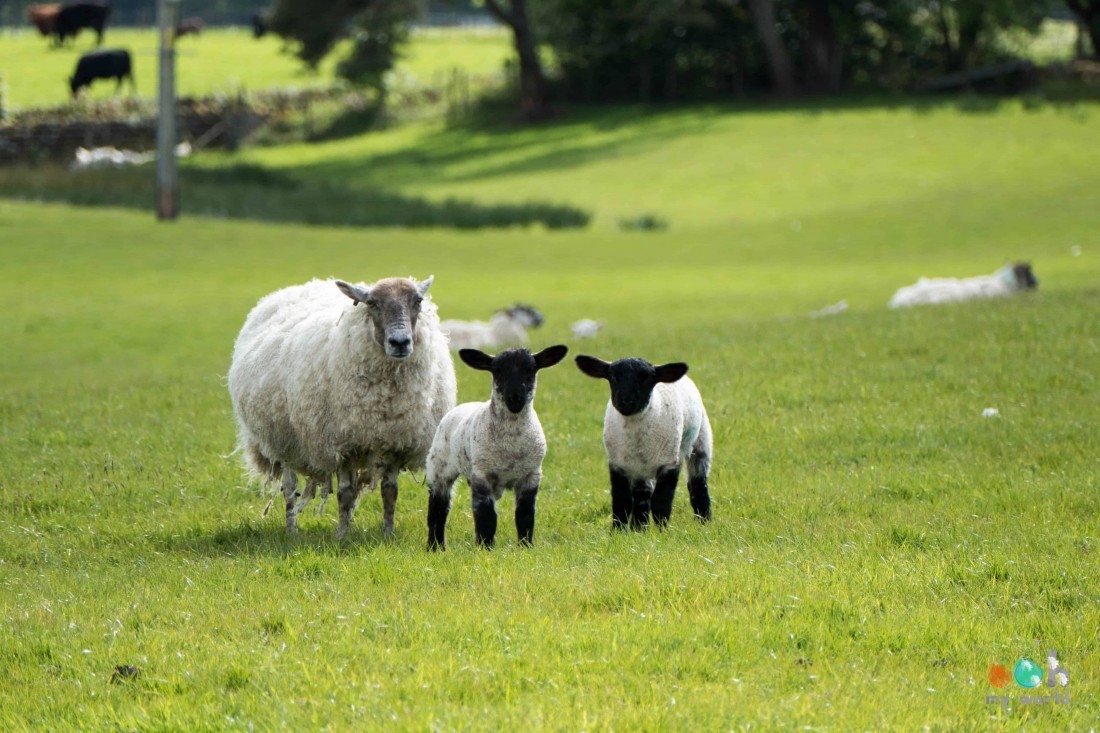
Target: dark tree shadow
pixel 253 192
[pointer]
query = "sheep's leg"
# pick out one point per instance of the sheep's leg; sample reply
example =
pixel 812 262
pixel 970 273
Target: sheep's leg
pixel 290 493
pixel 485 513
pixel 698 468
pixel 642 494
pixel 525 512
pixel 439 507
pixel 347 494
pixel 326 489
pixel 663 495
pixel 622 502
pixel 389 504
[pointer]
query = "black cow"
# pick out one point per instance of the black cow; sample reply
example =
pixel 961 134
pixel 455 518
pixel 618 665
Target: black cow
pixel 74 16
pixel 111 64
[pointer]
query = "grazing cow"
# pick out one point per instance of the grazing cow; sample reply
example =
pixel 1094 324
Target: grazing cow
pixel 74 16
pixel 111 64
pixel 189 25
pixel 259 25
pixel 44 17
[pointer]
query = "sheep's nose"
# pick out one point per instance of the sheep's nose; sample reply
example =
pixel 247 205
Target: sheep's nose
pixel 400 343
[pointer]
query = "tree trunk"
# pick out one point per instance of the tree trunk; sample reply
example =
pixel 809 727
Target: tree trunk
pixel 779 61
pixel 532 80
pixel 1089 13
pixel 823 57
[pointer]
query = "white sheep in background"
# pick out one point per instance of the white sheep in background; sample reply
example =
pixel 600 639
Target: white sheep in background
pixel 1006 281
pixel 585 328
pixel 654 422
pixel 507 327
pixel 321 387
pixel 496 445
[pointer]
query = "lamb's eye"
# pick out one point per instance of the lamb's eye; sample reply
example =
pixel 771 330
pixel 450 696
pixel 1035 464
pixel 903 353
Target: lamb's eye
pixel 372 304
pixel 418 301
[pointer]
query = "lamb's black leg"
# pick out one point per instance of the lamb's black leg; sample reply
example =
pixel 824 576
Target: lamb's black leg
pixel 642 494
pixel 621 500
pixel 525 514
pixel 663 495
pixel 485 514
pixel 698 468
pixel 439 506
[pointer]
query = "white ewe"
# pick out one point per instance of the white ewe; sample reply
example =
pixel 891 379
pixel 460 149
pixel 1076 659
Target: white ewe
pixel 654 422
pixel 507 327
pixel 496 445
pixel 1006 281
pixel 321 387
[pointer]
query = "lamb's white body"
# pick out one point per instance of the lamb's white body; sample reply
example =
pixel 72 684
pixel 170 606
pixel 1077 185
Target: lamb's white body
pixel 488 444
pixel 928 291
pixel 672 428
pixel 505 328
pixel 315 394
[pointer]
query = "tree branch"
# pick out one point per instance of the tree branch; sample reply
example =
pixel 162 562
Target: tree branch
pixel 498 11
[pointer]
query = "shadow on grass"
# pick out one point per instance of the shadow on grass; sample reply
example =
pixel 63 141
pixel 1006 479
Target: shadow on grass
pixel 252 192
pixel 270 539
pixel 493 145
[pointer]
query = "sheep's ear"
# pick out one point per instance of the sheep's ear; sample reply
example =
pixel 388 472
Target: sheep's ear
pixel 356 293
pixel 592 366
pixel 476 359
pixel 550 356
pixel 671 372
pixel 422 287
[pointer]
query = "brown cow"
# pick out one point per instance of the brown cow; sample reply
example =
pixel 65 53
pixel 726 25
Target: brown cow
pixel 44 17
pixel 189 25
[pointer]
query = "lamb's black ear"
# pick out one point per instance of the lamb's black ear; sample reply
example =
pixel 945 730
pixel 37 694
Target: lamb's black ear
pixel 550 356
pixel 476 359
pixel 671 372
pixel 356 293
pixel 592 366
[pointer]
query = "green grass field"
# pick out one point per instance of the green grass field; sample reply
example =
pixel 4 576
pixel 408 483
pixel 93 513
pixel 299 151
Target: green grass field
pixel 877 542
pixel 225 60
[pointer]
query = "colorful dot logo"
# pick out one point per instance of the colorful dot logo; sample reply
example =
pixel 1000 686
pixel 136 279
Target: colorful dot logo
pixel 998 675
pixel 1027 673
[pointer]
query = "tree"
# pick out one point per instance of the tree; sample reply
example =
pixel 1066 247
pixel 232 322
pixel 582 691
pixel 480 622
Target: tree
pixel 1089 13
pixel 376 28
pixel 779 58
pixel 532 79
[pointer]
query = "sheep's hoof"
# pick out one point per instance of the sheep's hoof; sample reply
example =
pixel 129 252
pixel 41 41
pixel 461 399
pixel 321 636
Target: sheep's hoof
pixel 341 531
pixel 388 534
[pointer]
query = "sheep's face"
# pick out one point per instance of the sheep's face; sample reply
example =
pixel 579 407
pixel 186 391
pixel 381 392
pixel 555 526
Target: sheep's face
pixel 393 306
pixel 514 372
pixel 632 380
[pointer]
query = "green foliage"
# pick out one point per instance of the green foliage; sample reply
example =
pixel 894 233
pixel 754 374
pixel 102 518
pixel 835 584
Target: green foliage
pixel 877 543
pixel 376 30
pixel 632 49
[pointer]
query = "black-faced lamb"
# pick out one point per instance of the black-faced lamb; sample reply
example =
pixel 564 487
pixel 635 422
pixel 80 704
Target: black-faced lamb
pixel 655 421
pixel 322 387
pixel 496 445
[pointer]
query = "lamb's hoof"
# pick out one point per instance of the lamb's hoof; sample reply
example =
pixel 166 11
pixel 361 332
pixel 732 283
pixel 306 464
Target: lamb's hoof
pixel 388 534
pixel 341 532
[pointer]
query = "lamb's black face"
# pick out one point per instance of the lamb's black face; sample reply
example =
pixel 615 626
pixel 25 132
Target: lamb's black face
pixel 514 372
pixel 632 380
pixel 514 376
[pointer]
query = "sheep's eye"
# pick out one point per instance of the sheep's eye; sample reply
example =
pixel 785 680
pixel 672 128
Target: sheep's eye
pixel 372 304
pixel 418 301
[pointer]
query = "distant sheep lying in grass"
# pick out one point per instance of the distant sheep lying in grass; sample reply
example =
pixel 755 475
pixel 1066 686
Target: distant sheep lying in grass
pixel 321 387
pixel 1008 280
pixel 496 445
pixel 507 327
pixel 655 420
